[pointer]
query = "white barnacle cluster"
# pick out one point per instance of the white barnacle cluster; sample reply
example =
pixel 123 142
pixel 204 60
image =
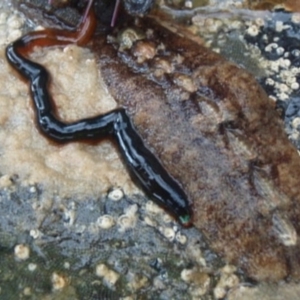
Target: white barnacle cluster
pixel 168 233
pixel 124 222
pixel 274 46
pixel 32 267
pixel 105 221
pixel 253 30
pixel 58 281
pixel 286 74
pixel 280 26
pixel 137 281
pixel 254 27
pixel 198 280
pixel 109 276
pixel 115 194
pixel 128 37
pixel 227 280
pixel 35 233
pixel 152 210
pixel 128 219
pixel 171 233
pixel 264 52
pixel 22 252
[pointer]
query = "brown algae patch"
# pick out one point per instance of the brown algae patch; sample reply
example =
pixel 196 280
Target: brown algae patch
pixel 229 150
pixel 72 169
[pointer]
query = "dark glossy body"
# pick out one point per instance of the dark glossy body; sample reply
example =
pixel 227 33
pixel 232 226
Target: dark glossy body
pixel 143 165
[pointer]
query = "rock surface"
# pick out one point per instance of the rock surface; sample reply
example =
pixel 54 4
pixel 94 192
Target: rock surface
pixel 76 215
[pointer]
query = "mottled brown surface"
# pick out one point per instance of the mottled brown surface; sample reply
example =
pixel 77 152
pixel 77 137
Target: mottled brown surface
pixel 216 131
pixel 290 5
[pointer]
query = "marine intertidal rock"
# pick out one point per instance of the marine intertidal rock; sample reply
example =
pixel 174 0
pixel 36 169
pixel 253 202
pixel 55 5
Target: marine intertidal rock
pixel 216 131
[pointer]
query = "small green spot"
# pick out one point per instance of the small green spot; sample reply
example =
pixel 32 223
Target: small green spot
pixel 185 220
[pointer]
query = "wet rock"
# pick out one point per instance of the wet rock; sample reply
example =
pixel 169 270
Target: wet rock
pixel 207 117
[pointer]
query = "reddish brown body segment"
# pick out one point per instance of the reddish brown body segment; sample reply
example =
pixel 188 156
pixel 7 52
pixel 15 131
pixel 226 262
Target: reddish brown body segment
pixel 217 133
